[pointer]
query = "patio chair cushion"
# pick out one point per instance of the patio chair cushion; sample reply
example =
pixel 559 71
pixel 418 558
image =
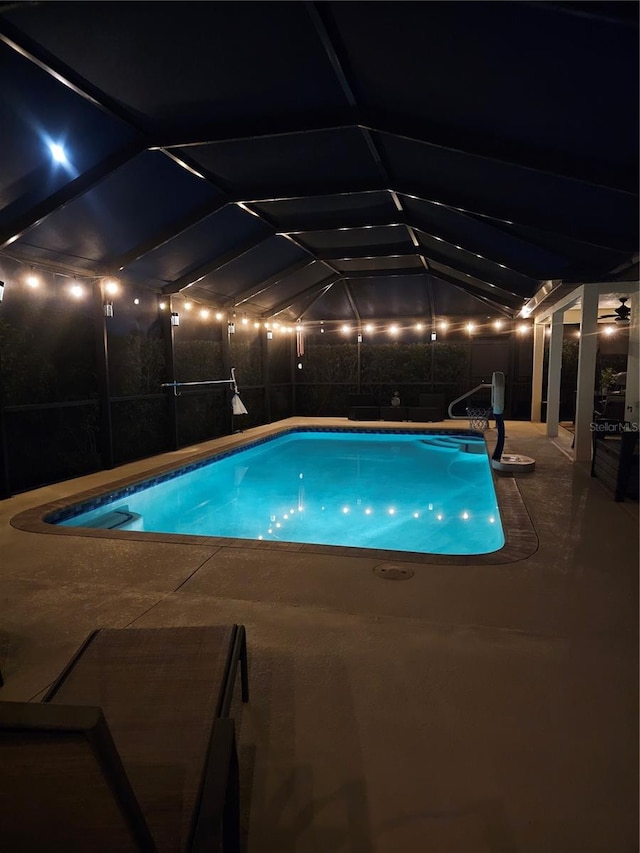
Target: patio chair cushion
pixel 165 694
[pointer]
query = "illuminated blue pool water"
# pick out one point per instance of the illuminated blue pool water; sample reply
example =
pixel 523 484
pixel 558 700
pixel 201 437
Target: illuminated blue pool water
pixel 424 492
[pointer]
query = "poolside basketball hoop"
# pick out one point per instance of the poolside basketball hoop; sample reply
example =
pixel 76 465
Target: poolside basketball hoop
pixel 479 418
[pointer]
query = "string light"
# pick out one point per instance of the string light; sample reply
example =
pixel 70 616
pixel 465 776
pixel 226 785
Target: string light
pixel 498 324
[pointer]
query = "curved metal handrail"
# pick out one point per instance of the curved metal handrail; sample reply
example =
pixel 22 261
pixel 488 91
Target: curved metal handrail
pixel 462 397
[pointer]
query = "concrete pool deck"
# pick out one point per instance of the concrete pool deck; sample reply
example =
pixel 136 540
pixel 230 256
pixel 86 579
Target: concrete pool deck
pixel 471 708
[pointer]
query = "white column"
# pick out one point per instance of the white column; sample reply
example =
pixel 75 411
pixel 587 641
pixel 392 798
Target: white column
pixel 632 394
pixel 553 376
pixel 586 373
pixel 536 378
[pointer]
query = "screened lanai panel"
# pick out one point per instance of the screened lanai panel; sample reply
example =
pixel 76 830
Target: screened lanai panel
pixel 132 203
pixel 338 240
pixel 497 189
pixel 291 289
pixel 451 301
pixel 291 164
pixel 318 212
pixel 487 237
pixel 35 111
pixel 392 262
pixel 208 239
pixel 332 306
pixel 588 260
pixel 407 297
pixel 201 64
pixel 477 287
pixel 479 267
pixel 250 268
pixel 480 82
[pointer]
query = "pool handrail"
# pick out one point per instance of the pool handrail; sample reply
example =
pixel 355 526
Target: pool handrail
pixel 462 397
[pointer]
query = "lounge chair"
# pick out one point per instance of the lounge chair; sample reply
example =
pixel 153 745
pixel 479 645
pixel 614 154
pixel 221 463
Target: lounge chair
pixel 132 749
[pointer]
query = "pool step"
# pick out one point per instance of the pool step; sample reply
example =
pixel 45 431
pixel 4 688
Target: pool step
pixel 456 443
pixel 118 519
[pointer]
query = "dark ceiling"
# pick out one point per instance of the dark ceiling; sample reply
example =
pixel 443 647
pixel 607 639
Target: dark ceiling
pixel 324 160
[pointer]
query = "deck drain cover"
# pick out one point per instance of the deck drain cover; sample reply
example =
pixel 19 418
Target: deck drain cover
pixel 393 573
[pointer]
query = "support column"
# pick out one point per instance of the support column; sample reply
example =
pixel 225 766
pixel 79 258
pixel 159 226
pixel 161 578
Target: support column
pixel 632 393
pixel 227 364
pixel 553 375
pixel 102 370
pixel 586 374
pixel 266 373
pixel 5 484
pixel 536 379
pixel 168 335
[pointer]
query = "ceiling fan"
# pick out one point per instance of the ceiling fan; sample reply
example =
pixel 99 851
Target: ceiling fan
pixel 622 314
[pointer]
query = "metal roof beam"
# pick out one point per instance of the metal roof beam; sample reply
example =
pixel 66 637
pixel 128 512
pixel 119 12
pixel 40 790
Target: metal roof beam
pixel 198 273
pixel 255 290
pixel 54 67
pixel 316 298
pixel 394 273
pixel 353 253
pixel 329 48
pixel 507 312
pixel 313 290
pixel 351 300
pixel 68 193
pixel 509 307
pixel 162 237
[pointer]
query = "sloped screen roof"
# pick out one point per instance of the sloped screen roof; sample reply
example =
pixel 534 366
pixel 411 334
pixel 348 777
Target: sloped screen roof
pixel 324 160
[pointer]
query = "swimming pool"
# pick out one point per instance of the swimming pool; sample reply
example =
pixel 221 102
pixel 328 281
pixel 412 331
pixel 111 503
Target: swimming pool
pixel 414 491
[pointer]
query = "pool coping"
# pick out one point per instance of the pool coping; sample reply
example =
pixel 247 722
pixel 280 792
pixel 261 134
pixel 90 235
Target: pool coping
pixel 521 540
